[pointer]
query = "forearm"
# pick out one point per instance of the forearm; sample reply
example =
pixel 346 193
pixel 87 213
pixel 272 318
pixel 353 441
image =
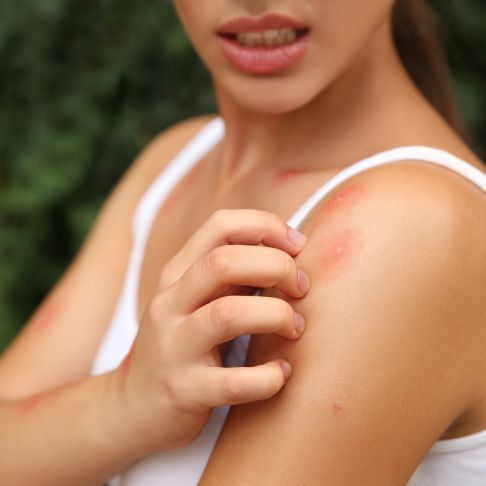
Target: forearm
pixel 72 435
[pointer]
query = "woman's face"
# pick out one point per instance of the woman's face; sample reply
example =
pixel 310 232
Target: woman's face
pixel 283 62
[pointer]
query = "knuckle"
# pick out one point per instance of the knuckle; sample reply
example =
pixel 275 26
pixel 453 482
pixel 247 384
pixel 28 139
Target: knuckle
pixel 167 275
pixel 267 222
pixel 276 221
pixel 221 315
pixel 219 219
pixel 270 222
pixel 218 260
pixel 177 390
pixel 155 306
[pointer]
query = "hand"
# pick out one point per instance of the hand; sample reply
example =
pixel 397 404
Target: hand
pixel 173 376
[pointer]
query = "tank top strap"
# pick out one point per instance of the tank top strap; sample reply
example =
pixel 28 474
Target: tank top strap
pixel 176 169
pixel 154 197
pixel 398 154
pixel 417 153
pixel 124 323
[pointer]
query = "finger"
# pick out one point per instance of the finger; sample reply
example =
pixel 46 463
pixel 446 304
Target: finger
pixel 231 386
pixel 230 227
pixel 228 317
pixel 225 266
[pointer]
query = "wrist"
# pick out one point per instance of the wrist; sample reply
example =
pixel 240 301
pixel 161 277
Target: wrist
pixel 131 418
pixel 118 424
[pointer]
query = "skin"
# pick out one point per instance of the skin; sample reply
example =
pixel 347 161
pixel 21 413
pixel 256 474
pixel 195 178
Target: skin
pixel 127 361
pixel 32 403
pixel 344 49
pixel 47 313
pixel 185 185
pixel 91 442
pixel 322 116
pixel 335 257
pixel 289 176
pixel 347 197
pixel 351 85
pixel 384 344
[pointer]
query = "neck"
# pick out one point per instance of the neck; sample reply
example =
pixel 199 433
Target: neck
pixel 347 118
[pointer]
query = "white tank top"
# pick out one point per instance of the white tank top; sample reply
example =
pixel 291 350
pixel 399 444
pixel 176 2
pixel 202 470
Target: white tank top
pixel 451 462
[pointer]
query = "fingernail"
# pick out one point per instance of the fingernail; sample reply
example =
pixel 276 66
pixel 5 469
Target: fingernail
pixel 299 323
pixel 286 368
pixel 296 237
pixel 303 281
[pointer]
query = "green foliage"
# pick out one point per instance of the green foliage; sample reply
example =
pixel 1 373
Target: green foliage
pixel 84 85
pixel 464 37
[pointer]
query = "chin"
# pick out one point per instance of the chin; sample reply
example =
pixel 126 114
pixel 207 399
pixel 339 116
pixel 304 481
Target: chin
pixel 270 95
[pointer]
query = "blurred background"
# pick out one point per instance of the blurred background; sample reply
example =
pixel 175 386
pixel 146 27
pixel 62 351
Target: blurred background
pixel 85 85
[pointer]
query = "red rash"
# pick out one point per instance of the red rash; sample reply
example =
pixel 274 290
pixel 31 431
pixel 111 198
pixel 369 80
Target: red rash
pixel 287 176
pixel 341 246
pixel 348 196
pixel 337 407
pixel 47 313
pixel 339 251
pixel 32 403
pixel 28 404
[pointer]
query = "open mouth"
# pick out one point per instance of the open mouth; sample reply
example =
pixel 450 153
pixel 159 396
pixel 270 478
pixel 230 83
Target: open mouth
pixel 266 38
pixel 269 44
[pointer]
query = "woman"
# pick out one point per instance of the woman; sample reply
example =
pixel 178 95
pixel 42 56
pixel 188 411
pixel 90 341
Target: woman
pixel 121 376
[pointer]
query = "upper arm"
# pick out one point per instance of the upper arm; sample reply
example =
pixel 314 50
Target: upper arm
pixel 58 343
pixel 392 339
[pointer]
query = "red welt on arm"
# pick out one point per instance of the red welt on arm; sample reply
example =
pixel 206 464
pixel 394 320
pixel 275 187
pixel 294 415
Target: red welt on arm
pixel 376 344
pixel 33 402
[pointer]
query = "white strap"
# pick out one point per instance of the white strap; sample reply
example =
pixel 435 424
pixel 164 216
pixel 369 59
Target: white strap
pixel 154 197
pixel 426 154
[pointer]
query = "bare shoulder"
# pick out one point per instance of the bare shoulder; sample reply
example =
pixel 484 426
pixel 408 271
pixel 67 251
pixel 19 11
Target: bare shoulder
pixel 394 337
pixel 406 226
pixel 164 146
pixel 414 235
pixel 404 205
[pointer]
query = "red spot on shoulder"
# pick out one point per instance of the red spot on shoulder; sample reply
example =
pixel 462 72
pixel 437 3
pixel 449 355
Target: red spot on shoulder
pixel 339 250
pixel 344 198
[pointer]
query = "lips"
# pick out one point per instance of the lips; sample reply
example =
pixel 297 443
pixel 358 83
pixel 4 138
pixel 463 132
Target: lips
pixel 262 45
pixel 260 24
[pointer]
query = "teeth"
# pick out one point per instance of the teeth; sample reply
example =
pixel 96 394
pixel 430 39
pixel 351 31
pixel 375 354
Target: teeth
pixel 267 37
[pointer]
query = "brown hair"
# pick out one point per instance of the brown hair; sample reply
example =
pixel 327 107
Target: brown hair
pixel 417 38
